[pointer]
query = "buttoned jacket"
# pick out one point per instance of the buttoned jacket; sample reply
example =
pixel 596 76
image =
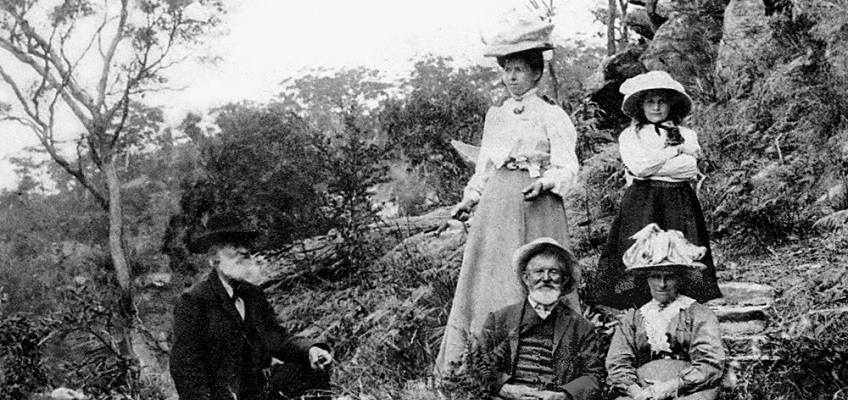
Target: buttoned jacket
pixel 212 341
pixel 578 359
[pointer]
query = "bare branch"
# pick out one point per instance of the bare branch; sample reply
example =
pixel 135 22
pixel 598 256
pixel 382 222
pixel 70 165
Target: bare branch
pixel 25 103
pixel 55 60
pixel 110 54
pixel 70 96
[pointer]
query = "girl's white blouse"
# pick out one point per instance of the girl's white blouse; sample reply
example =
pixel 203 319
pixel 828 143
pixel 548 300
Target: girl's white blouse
pixel 646 156
pixel 535 135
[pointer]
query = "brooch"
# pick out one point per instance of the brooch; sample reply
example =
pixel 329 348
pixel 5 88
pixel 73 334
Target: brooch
pixel 518 110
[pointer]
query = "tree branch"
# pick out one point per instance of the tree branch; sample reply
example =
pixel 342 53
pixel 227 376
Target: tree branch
pixel 110 54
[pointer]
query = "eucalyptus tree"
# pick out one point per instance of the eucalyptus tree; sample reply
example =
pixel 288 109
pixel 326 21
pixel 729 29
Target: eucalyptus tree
pixel 89 62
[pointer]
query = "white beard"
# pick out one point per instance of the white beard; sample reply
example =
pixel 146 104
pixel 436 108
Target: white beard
pixel 246 271
pixel 545 295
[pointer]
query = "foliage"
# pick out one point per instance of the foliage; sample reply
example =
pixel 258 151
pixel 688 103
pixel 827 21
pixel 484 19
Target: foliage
pixel 261 163
pixel 93 60
pixel 807 326
pixel 22 370
pixel 791 377
pixel 439 103
pixel 771 147
pixel 384 322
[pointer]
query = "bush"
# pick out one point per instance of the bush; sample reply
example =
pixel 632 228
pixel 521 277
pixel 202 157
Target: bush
pixel 22 369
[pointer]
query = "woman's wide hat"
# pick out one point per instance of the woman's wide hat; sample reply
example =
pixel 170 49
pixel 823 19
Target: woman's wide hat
pixel 219 229
pixel 548 245
pixel 657 249
pixel 523 35
pixel 636 87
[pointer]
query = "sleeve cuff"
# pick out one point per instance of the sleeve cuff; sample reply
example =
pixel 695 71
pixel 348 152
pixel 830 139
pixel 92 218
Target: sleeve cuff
pixel 471 195
pixel 670 152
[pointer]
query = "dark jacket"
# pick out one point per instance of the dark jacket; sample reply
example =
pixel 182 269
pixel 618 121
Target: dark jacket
pixel 216 353
pixel 578 360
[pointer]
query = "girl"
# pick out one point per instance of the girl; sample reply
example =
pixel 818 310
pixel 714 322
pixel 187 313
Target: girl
pixel 526 165
pixel 660 159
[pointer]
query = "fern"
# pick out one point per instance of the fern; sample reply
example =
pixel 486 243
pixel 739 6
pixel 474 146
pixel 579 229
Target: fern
pixel 832 221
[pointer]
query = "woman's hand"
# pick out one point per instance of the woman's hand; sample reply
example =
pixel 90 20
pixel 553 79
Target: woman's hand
pixel 639 393
pixel 462 210
pixel 533 190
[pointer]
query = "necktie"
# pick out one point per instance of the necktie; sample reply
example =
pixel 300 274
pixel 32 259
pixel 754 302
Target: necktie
pixel 238 300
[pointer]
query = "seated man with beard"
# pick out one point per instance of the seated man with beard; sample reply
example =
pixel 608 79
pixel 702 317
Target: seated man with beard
pixel 540 347
pixel 226 333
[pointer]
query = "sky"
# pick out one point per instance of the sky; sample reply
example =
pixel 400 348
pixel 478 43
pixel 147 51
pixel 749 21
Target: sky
pixel 268 41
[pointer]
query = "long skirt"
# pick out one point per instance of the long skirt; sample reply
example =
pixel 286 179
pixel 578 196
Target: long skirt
pixel 671 205
pixel 502 223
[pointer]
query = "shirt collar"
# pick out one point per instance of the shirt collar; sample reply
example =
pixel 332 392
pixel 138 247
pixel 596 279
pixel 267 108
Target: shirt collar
pixel 227 287
pixel 531 92
pixel 548 307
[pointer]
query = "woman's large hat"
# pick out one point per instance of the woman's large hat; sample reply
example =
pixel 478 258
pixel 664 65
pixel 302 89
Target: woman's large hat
pixel 658 249
pixel 222 228
pixel 525 34
pixel 547 245
pixel 634 89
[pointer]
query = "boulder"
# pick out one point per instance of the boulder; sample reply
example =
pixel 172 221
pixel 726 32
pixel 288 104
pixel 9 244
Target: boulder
pixel 686 44
pixel 745 28
pixel 744 294
pixel 638 19
pixel 603 85
pixel 743 328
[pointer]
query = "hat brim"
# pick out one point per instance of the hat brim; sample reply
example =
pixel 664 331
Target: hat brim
pixel 665 265
pixel 528 251
pixel 503 50
pixel 692 273
pixel 204 242
pixel 680 103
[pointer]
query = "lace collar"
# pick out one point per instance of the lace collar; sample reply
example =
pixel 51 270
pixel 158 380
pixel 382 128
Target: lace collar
pixel 656 318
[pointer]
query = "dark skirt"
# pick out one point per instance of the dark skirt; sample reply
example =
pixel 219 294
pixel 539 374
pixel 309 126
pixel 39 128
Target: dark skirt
pixel 671 205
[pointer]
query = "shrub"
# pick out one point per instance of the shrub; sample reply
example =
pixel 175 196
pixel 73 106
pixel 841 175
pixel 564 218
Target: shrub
pixel 22 369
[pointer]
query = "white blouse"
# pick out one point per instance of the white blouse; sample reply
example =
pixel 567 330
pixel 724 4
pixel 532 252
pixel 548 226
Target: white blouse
pixel 532 134
pixel 646 156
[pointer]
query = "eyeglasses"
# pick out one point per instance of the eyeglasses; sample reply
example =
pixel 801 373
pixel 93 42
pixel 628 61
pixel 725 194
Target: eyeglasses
pixel 540 273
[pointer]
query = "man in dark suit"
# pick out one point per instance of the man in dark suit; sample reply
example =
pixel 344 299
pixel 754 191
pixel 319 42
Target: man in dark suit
pixel 226 334
pixel 540 347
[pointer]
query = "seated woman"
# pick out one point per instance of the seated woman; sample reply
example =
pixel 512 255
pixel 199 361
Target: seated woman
pixel 670 348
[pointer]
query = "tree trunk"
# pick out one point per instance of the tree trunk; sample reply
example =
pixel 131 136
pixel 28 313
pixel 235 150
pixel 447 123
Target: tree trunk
pixel 126 306
pixel 612 14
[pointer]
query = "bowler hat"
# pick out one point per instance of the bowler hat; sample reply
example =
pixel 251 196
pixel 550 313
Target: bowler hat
pixel 635 88
pixel 222 228
pixel 524 253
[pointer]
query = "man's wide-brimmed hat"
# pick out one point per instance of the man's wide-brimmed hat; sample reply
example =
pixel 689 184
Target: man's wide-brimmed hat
pixel 656 249
pixel 525 34
pixel 548 245
pixel 636 87
pixel 222 228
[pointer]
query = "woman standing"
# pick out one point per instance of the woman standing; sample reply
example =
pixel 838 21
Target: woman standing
pixel 660 159
pixel 526 165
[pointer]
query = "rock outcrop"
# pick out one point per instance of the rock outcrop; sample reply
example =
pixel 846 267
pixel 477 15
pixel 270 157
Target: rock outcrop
pixel 745 28
pixel 686 44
